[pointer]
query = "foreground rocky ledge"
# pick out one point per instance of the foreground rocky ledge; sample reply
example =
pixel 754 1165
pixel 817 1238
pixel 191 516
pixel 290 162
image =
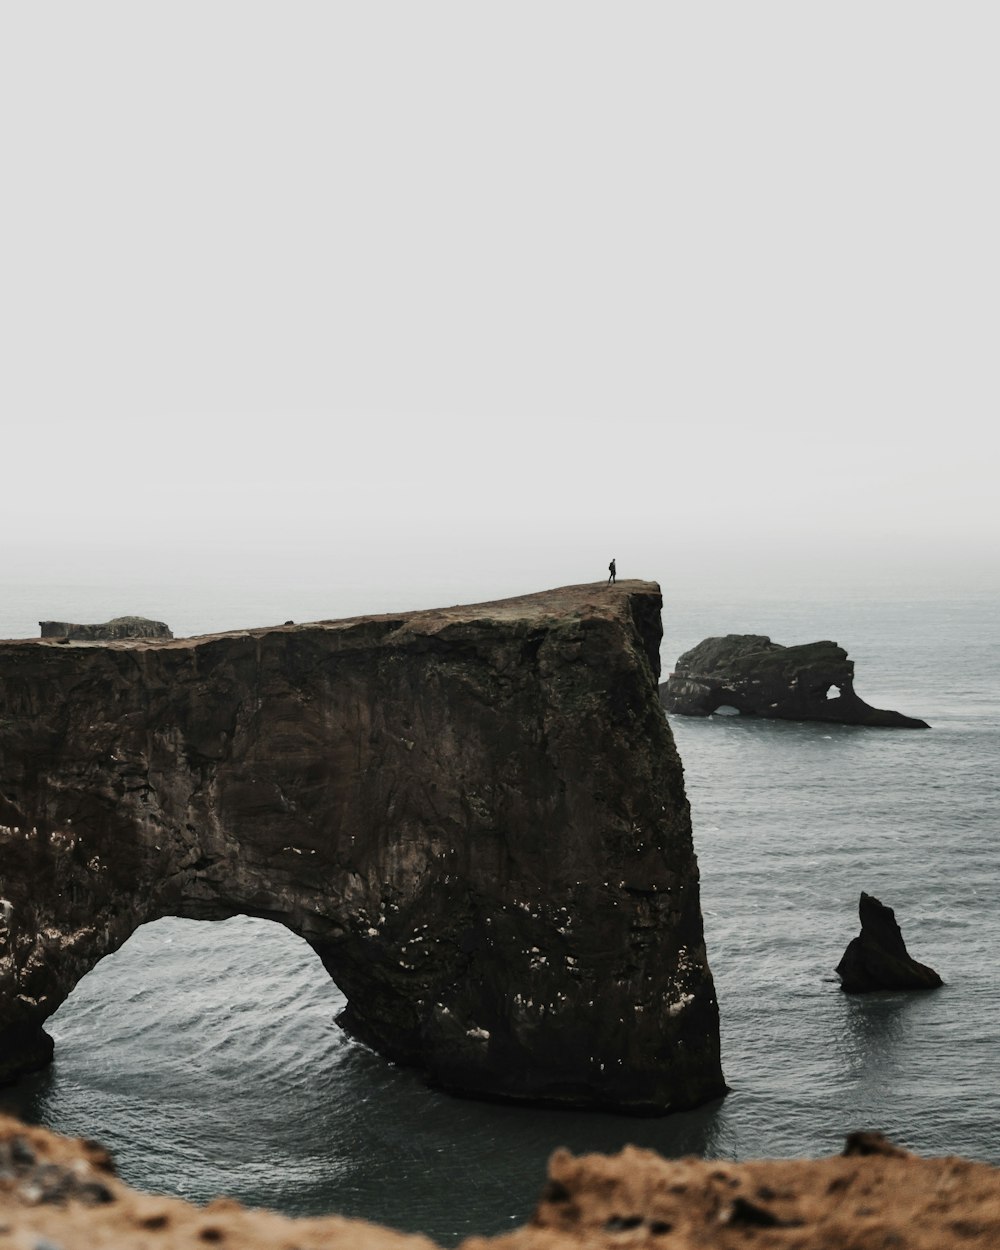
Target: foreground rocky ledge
pixel 476 817
pixel 757 677
pixel 60 1194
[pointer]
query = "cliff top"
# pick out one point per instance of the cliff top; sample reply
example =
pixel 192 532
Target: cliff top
pixel 593 599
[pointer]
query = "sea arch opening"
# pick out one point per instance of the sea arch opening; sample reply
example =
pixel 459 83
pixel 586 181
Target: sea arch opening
pixel 183 997
pixel 206 1055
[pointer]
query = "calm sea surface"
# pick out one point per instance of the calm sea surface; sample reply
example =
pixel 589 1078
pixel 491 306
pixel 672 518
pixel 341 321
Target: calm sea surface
pixel 207 1057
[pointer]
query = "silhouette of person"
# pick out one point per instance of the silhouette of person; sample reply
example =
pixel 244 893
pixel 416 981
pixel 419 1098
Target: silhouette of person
pixel 611 572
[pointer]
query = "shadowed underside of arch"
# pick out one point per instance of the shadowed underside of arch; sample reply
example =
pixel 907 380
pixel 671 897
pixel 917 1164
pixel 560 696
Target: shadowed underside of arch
pixel 476 817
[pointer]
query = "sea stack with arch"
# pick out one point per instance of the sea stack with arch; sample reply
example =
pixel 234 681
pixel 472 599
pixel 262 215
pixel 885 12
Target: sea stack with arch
pixel 750 674
pixel 475 815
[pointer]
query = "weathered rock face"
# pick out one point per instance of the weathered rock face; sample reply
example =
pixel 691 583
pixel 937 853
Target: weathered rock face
pixel 476 816
pixel 120 627
pixel 877 959
pixel 57 1192
pixel 759 677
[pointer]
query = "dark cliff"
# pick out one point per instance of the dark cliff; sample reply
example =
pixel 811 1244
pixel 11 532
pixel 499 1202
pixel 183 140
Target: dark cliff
pixel 476 816
pixel 758 677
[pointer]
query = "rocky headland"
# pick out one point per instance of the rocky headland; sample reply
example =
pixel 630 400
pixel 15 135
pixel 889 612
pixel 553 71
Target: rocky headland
pixel 476 816
pixel 757 677
pixel 877 959
pixel 63 1194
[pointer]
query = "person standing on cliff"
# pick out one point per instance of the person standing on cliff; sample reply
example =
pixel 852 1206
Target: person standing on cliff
pixel 611 572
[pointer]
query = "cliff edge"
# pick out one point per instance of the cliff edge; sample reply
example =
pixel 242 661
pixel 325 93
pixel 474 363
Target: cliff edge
pixel 475 815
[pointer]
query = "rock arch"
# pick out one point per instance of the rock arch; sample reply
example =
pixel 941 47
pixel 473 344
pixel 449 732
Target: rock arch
pixel 210 995
pixel 811 681
pixel 475 816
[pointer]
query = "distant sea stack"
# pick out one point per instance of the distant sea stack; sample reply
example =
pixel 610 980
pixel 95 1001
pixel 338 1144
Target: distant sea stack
pixel 109 631
pixel 877 959
pixel 475 816
pixel 757 677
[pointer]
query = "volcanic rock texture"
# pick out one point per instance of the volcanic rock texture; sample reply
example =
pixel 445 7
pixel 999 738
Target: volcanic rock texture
pixel 58 1194
pixel 476 817
pixel 758 677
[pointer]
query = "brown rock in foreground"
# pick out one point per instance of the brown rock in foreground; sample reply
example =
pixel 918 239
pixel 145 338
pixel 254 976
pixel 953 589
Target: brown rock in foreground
pixel 57 1193
pixel 871 1198
pixel 63 1193
pixel 476 817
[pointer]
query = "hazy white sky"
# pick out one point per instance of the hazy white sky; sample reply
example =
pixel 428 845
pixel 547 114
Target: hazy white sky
pixel 512 287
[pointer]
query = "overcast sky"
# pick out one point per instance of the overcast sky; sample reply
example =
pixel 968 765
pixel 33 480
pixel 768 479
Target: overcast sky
pixel 508 287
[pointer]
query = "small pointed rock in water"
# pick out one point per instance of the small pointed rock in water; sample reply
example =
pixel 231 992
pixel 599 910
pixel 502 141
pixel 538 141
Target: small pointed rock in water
pixel 877 959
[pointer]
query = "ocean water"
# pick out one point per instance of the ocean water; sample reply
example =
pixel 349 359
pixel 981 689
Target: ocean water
pixel 207 1057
